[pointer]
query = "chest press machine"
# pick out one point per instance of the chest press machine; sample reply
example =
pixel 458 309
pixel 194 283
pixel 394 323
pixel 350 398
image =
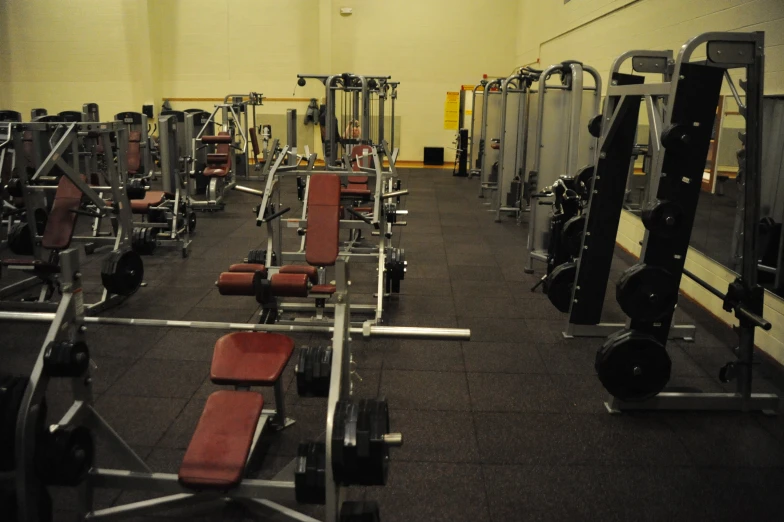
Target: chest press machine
pixel 50 220
pixel 357 441
pixel 376 221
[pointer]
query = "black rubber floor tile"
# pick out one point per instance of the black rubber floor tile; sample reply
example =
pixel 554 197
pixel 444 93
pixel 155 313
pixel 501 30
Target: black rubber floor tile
pixel 123 341
pixel 445 356
pixel 433 492
pixel 434 255
pixel 418 390
pixel 472 259
pixel 364 382
pixel 139 420
pixel 745 494
pixel 423 305
pixel 502 357
pixel 180 432
pixel 107 370
pixel 582 393
pixel 727 440
pixel 434 436
pixel 486 329
pixel 186 345
pixel 425 320
pixel 462 273
pixel 161 378
pixel 528 438
pixel 369 353
pixel 494 307
pixel 641 439
pixel 469 288
pixel 547 331
pixel 567 358
pixel 684 365
pixel 416 271
pixel 514 392
pixel 544 493
pixel 431 287
pixel 240 304
pixel 478 250
pixel 310 425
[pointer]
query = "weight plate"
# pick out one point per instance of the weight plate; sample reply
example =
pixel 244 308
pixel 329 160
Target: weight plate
pixel 19 240
pixel 572 235
pixel 595 126
pixel 310 473
pixel 664 219
pixel 647 293
pixel 559 284
pixel 122 272
pixel 583 182
pixel 633 366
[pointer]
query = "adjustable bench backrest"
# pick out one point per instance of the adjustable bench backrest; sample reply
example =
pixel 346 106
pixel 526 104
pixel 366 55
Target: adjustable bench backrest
pixel 62 220
pixel 359 150
pixel 322 238
pixel 218 164
pixel 254 141
pixel 134 152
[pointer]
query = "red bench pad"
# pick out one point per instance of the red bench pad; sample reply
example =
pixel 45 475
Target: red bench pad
pixel 323 289
pixel 250 358
pixel 356 190
pixel 236 283
pixel 152 198
pixel 359 150
pixel 60 225
pixel 134 155
pixel 321 240
pixel 218 168
pixel 248 267
pixel 310 271
pixel 219 448
pixel 289 285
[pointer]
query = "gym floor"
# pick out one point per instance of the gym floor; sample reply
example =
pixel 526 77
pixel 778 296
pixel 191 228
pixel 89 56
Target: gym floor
pixel 508 426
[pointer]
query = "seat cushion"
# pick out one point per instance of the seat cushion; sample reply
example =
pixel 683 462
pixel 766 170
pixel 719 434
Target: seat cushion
pixel 250 358
pixel 248 267
pixel 236 283
pixel 323 289
pixel 310 271
pixel 152 198
pixel 289 285
pixel 219 448
pixel 356 190
pixel 134 155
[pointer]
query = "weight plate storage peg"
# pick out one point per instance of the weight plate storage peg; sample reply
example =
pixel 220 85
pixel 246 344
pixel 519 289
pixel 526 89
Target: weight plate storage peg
pixel 559 284
pixel 310 473
pixel 355 511
pixel 647 293
pixel 122 272
pixel 313 368
pixel 663 219
pixel 66 359
pixel 360 442
pixel 65 456
pixel 633 366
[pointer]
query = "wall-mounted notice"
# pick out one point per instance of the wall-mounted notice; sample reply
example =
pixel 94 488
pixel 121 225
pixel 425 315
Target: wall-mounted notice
pixel 451 110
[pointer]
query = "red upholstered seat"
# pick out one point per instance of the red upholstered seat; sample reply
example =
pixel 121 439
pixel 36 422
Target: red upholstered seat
pixel 250 358
pixel 152 198
pixel 60 225
pixel 321 240
pixel 219 448
pixel 323 289
pixel 310 271
pixel 218 164
pixel 248 267
pixel 236 283
pixel 134 152
pixel 356 190
pixel 289 285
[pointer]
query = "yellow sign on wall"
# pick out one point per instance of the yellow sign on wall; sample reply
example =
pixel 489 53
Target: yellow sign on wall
pixel 452 111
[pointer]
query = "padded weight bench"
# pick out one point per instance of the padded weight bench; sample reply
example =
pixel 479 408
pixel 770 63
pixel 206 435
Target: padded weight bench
pixel 218 163
pixel 58 231
pixel 152 198
pixel 224 437
pixel 358 185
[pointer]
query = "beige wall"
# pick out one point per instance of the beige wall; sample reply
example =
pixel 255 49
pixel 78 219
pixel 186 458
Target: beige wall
pixel 596 31
pixel 123 53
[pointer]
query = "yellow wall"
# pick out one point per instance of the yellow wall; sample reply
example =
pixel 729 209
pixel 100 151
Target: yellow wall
pixel 61 54
pixel 596 31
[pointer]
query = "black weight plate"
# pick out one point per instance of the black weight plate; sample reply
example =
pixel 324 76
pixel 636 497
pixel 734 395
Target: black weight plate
pixel 595 126
pixel 11 394
pixel 572 235
pixel 19 240
pixel 664 219
pixel 633 366
pixel 559 284
pixel 647 293
pixel 122 272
